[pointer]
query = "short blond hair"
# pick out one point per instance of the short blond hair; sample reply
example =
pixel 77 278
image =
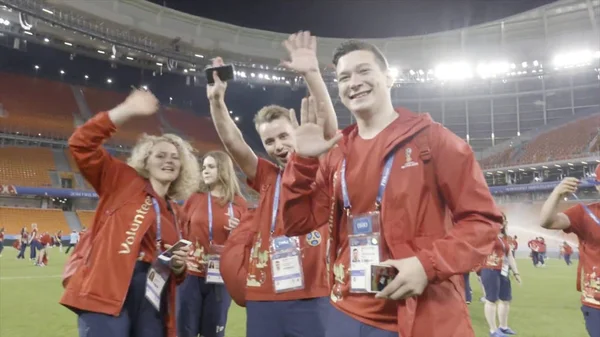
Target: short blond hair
pixel 189 175
pixel 270 113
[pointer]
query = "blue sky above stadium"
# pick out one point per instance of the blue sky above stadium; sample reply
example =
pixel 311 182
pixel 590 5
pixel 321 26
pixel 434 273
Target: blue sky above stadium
pixel 355 18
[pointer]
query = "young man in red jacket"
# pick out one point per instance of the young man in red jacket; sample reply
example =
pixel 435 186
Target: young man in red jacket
pixel 288 301
pixel 582 220
pixel 389 189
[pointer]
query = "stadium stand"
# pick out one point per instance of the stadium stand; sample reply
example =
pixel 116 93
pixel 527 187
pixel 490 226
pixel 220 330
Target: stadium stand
pixel 103 100
pixel 201 131
pixel 48 220
pixel 86 217
pixel 25 166
pixel 27 101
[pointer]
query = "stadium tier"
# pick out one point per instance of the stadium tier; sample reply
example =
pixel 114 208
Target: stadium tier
pixel 24 166
pixel 48 220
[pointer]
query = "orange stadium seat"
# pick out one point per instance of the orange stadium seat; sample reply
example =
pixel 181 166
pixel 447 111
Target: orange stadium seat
pixel 496 160
pixel 102 100
pixel 569 141
pixel 48 220
pixel 27 102
pixel 25 166
pixel 203 135
pixel 86 218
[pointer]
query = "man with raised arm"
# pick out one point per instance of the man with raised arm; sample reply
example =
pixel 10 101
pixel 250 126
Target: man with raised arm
pixel 290 300
pixel 406 193
pixel 582 220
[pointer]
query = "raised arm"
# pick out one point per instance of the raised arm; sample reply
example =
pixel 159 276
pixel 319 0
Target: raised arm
pixel 98 167
pixel 477 219
pixel 229 133
pixel 302 50
pixel 306 201
pixel 549 217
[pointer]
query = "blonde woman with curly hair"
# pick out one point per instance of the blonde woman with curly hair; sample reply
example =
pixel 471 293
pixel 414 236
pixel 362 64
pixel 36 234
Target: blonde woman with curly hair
pixel 114 281
pixel 214 211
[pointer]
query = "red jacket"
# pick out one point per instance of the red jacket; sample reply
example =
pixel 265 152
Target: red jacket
pixel 236 255
pixel 124 217
pixel 196 209
pixel 435 175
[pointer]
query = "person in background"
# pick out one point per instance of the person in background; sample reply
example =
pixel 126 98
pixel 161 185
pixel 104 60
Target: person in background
pixel 1 240
pixel 273 308
pixel 534 246
pixel 514 245
pixel 582 220
pixel 73 239
pixel 496 281
pixel 214 211
pixel 409 175
pixel 23 239
pixel 115 281
pixel 58 240
pixel 45 241
pixel 34 243
pixel 567 251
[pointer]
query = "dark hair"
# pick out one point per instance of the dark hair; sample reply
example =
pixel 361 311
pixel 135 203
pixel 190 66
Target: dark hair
pixel 354 45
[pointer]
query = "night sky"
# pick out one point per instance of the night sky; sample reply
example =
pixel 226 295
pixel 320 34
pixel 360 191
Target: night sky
pixel 354 18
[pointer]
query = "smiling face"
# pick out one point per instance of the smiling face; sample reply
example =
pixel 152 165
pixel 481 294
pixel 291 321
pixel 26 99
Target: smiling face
pixel 363 85
pixel 276 132
pixel 278 139
pixel 163 163
pixel 210 170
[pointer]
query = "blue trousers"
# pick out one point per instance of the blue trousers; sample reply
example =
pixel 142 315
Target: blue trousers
pixel 468 290
pixel 497 287
pixel 33 248
pixel 592 320
pixel 298 318
pixel 202 308
pixel 138 318
pixel 567 259
pixel 22 251
pixel 341 325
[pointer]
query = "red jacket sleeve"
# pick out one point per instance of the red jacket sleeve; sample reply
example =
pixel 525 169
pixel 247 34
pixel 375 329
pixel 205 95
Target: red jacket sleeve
pixel 96 165
pixel 235 257
pixel 305 195
pixel 476 218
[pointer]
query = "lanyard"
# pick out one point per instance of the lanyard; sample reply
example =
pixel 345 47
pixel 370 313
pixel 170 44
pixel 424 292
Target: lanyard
pixel 506 252
pixel 210 217
pixel 588 210
pixel 275 203
pixel 387 169
pixel 159 221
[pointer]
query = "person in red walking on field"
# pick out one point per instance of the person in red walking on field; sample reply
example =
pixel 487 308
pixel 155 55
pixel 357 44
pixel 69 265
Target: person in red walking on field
pixel 114 280
pixel 582 220
pixel 401 189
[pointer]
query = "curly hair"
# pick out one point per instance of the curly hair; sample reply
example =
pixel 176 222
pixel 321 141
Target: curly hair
pixel 189 175
pixel 225 176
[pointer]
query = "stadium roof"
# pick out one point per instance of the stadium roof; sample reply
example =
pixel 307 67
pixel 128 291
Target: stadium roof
pixel 355 18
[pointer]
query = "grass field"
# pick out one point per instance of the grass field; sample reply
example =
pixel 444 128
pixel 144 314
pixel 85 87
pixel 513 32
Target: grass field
pixel 546 305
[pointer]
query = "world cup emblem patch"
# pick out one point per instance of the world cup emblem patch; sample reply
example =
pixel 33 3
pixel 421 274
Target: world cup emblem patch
pixel 313 238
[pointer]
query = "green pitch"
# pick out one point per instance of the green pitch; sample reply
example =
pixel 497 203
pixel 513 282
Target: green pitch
pixel 546 305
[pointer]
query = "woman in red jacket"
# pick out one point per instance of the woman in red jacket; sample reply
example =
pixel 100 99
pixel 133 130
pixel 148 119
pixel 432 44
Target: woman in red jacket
pixel 114 280
pixel 214 211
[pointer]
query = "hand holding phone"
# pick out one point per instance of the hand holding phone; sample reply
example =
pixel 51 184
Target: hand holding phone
pixel 168 254
pixel 379 276
pixel 225 72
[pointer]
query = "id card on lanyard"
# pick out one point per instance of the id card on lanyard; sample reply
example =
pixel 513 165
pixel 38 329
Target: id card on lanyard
pixel 364 231
pixel 505 264
pixel 285 254
pixel 158 275
pixel 213 272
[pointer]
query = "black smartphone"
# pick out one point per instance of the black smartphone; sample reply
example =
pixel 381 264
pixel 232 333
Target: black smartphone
pixel 226 73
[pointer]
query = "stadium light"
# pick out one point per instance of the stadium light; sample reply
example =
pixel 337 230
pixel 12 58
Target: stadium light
pixel 453 71
pixel 48 11
pixel 86 77
pixel 68 43
pixel 108 80
pixel 36 67
pixel 237 119
pixel 4 22
pixel 62 72
pixel 573 59
pixel 46 40
pixel 493 69
pixel 130 58
pixel 393 71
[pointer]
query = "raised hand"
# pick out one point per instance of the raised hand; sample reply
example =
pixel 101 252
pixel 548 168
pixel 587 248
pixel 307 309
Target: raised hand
pixel 310 141
pixel 216 91
pixel 302 51
pixel 141 103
